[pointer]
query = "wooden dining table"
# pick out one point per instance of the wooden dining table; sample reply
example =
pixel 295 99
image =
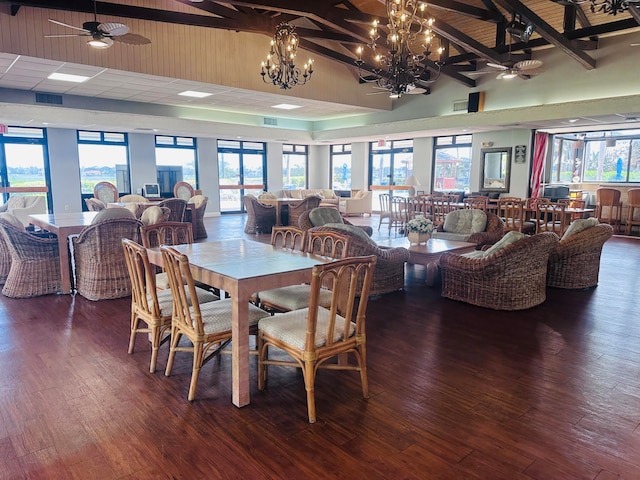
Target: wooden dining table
pixel 242 267
pixel 63 225
pixel 279 203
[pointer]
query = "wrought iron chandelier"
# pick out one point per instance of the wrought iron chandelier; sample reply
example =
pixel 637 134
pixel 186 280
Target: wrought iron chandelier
pixel 279 67
pixel 612 7
pixel 409 40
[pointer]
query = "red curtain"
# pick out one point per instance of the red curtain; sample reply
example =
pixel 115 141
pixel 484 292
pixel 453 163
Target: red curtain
pixel 539 155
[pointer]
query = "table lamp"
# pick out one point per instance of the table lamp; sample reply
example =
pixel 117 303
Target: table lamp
pixel 413 182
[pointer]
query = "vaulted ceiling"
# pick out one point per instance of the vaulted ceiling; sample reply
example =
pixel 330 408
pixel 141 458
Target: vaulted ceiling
pixel 472 31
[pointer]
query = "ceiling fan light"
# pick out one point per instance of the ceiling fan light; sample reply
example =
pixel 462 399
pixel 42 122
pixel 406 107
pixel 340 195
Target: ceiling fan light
pixel 97 42
pixel 508 75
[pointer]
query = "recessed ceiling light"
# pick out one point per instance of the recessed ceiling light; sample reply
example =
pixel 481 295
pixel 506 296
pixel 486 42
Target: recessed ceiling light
pixel 194 94
pixel 286 106
pixel 573 120
pixel 65 77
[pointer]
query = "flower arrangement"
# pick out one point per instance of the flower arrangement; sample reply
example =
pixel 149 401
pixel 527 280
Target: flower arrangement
pixel 421 225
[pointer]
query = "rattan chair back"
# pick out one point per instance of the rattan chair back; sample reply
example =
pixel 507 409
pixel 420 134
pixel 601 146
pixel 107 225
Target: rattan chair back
pixel 289 238
pixel 183 190
pixel 166 233
pixel 94 205
pixel 106 192
pixel 609 207
pixel 306 205
pixel 178 206
pixel 551 218
pixel 260 218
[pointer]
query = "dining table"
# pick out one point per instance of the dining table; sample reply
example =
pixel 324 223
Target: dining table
pixel 63 225
pixel 279 204
pixel 242 267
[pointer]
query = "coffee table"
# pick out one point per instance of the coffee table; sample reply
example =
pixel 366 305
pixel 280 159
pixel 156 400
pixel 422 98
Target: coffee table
pixel 429 253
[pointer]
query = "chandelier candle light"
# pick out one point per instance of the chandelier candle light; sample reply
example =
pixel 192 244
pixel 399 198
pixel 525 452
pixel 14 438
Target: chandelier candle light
pixel 409 46
pixel 280 68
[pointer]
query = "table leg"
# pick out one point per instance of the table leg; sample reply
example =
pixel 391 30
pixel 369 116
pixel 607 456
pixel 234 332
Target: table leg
pixel 65 266
pixel 240 349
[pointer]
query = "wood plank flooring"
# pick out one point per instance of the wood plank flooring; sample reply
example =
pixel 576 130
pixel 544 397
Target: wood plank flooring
pixel 457 392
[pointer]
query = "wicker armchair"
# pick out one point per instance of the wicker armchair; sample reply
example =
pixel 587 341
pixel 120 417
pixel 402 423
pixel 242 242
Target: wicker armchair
pixel 5 259
pixel 94 205
pixel 260 218
pixel 389 274
pixel 199 207
pixel 513 278
pixel 295 210
pixel 177 206
pixel 576 261
pixel 493 231
pixel 101 269
pixel 323 215
pixel 183 190
pixel 35 263
pixel 106 192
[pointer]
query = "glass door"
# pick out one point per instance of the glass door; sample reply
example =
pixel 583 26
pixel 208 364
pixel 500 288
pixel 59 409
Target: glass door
pixel 241 170
pixel 390 166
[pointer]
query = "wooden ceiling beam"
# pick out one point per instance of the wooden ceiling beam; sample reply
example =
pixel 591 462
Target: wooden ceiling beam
pixel 547 32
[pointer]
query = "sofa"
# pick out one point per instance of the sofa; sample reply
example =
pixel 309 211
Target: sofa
pixel 359 203
pixel 471 225
pixel 328 197
pixel 21 206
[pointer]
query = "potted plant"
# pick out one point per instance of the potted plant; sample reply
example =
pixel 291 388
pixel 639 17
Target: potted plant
pixel 420 229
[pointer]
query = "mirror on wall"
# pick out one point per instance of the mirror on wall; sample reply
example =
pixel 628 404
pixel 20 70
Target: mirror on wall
pixel 496 166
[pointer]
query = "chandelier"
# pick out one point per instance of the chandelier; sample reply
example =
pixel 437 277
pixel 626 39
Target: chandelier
pixel 280 68
pixel 408 40
pixel 612 7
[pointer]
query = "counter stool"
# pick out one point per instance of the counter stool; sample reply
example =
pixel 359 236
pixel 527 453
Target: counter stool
pixel 633 202
pixel 609 207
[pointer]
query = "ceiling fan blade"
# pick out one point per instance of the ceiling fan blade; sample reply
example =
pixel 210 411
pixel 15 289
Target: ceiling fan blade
pixel 497 65
pixel 416 91
pixel 66 35
pixel 68 26
pixel 528 64
pixel 113 29
pixel 478 72
pixel 131 39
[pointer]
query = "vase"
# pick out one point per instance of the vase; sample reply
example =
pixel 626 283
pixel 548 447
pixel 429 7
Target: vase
pixel 418 238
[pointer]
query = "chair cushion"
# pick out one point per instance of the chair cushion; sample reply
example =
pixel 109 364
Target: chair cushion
pixel 322 215
pixel 152 215
pixel 466 221
pixel 456 237
pixel 580 225
pixel 115 212
pixel 293 297
pixel 474 254
pixel 267 195
pixel 359 232
pixel 508 239
pixel 198 200
pixel 216 316
pixel 13 220
pixel 361 194
pixel 296 193
pixel 15 201
pixel 165 300
pixel 291 327
pixel 133 198
pixel 329 194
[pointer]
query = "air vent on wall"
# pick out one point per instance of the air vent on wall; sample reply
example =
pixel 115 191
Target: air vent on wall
pixel 49 98
pixel 270 121
pixel 460 106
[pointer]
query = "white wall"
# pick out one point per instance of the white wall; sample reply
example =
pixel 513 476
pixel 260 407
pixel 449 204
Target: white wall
pixel 319 166
pixel 64 164
pixel 208 175
pixel 142 148
pixel 359 166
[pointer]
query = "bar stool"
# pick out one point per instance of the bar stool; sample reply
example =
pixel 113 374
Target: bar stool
pixel 633 202
pixel 609 207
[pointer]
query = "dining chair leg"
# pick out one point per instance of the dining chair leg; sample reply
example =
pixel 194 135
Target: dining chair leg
pixel 175 339
pixel 134 327
pixel 361 358
pixel 197 364
pixel 309 384
pixel 155 346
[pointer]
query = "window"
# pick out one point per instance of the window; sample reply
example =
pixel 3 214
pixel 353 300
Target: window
pixel 175 162
pixel 390 164
pixel 605 156
pixel 452 163
pixel 103 158
pixel 341 167
pixel 295 159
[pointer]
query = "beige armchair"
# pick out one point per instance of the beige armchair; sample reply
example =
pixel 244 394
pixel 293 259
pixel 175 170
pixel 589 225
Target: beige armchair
pixel 21 206
pixel 358 204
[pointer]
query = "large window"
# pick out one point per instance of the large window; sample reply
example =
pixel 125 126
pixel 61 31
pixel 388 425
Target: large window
pixel 241 170
pixel 610 156
pixel 175 162
pixel 452 163
pixel 341 167
pixel 24 168
pixel 103 158
pixel 295 159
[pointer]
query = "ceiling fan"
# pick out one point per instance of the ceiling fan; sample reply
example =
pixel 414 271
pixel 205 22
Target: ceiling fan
pixel 523 69
pixel 102 35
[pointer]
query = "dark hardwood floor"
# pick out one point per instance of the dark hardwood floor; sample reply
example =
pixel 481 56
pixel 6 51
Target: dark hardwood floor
pixel 457 392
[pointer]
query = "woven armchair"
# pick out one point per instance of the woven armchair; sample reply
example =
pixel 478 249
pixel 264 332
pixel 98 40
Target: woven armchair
pixel 94 205
pixel 177 206
pixel 101 269
pixel 35 263
pixel 324 215
pixel 493 232
pixel 576 261
pixel 5 259
pixel 260 218
pixel 514 278
pixel 389 274
pixel 306 205
pixel 199 207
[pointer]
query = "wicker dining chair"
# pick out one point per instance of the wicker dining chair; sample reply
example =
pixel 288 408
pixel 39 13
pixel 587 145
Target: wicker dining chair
pixel 165 233
pixel 35 263
pixel 183 190
pixel 94 205
pixel 315 334
pixel 260 218
pixel 513 213
pixel 106 192
pixel 199 208
pixel 399 213
pixel 153 307
pixel 177 207
pixel 551 217
pixel 295 297
pixel 207 326
pixel 385 209
pixel 609 207
pixel 5 259
pixel 101 270
pixel 306 205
